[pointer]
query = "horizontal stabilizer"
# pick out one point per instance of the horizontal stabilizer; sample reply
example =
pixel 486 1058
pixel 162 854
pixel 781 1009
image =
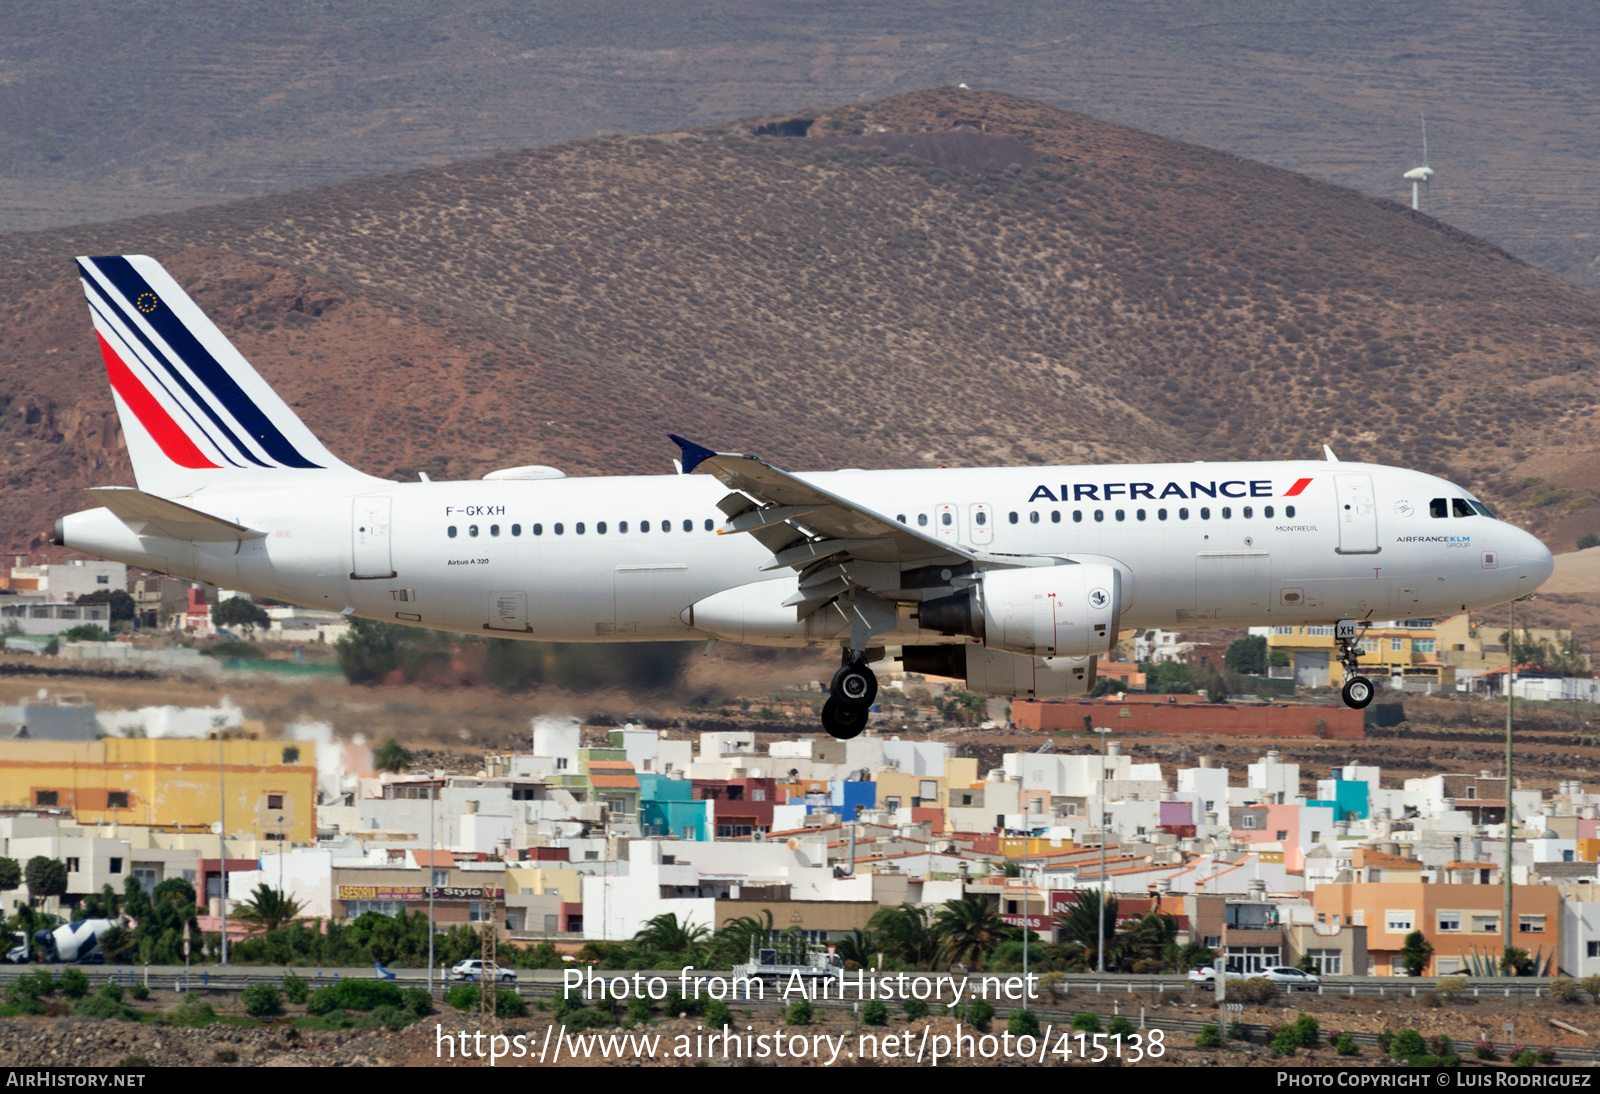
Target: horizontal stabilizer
pixel 148 515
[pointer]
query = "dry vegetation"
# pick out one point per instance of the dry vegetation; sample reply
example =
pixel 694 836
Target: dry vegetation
pixel 1054 289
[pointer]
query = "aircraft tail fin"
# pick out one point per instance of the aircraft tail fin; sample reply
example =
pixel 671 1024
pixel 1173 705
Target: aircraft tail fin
pixel 196 415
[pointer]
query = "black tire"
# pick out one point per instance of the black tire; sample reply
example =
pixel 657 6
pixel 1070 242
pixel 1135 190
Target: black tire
pixel 855 685
pixel 1358 692
pixel 844 720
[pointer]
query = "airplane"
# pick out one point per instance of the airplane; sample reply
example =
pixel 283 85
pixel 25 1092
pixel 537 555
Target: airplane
pixel 1014 579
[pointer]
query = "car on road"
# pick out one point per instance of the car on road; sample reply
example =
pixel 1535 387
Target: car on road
pixel 1206 975
pixel 1292 979
pixel 473 969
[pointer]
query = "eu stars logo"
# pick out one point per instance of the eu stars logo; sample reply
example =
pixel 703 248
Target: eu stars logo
pixel 147 302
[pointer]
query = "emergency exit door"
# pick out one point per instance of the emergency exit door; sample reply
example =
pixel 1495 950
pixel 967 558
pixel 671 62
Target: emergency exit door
pixel 370 535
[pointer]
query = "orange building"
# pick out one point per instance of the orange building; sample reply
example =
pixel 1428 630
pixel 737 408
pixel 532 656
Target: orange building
pixel 1454 919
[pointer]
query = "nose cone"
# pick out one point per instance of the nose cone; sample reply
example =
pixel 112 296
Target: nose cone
pixel 1535 563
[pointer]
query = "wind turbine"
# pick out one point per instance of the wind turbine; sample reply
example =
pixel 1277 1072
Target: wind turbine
pixel 1420 176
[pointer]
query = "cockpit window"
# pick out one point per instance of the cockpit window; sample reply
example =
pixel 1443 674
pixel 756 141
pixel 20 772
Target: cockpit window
pixel 1481 509
pixel 1460 507
pixel 1438 507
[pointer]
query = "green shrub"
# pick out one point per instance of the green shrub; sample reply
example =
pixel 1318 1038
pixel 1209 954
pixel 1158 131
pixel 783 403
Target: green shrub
pixel 1306 1028
pixel 1054 985
pixel 139 992
pixel 1591 984
pixel 1526 1058
pixel 1120 1027
pixel 1565 989
pixel 1345 1045
pixel 1284 1041
pixel 1238 1031
pixel 323 1001
pixel 980 1014
pixel 1451 985
pixel 874 1013
pixel 918 1008
pixel 465 997
pixel 111 990
pixel 800 1013
pixel 367 994
pixel 295 989
pixel 225 1056
pixel 1432 1000
pixel 261 1000
pixel 1208 1037
pixel 417 1001
pixel 1257 989
pixel 676 1004
pixel 587 1018
pixel 1407 1043
pixel 389 1017
pixel 639 1009
pixel 103 1007
pixel 74 985
pixel 717 1015
pixel 1022 1023
pixel 1484 1050
pixel 1084 1022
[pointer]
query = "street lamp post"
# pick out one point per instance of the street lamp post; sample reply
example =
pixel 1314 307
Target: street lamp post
pixel 433 852
pixel 222 840
pixel 1100 821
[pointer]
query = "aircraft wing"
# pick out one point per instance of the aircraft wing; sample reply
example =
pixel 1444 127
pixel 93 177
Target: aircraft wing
pixel 833 542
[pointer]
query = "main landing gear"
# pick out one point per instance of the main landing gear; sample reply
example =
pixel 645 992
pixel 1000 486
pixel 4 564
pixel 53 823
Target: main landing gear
pixel 1358 690
pixel 854 688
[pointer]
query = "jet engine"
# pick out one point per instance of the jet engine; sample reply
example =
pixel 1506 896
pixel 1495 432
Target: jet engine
pixel 1040 611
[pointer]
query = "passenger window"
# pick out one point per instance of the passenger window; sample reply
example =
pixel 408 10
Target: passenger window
pixel 600 529
pixel 1288 511
pixel 902 519
pixel 622 527
pixel 644 526
pixel 1438 508
pixel 1460 507
pixel 922 522
pixel 1183 513
pixel 1137 512
pixel 709 524
pixel 516 530
pixel 494 530
pixel 1055 518
pixel 944 519
pixel 1033 518
pixel 579 528
pixel 538 529
pixel 1227 512
pixel 1121 514
pixel 1077 516
pixel 472 529
pixel 666 526
pixel 559 529
pixel 451 532
pixel 1266 511
pixel 688 526
pixel 1161 514
pixel 1099 514
pixel 1247 514
pixel 1205 512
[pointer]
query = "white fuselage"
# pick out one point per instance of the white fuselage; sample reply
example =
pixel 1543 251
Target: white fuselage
pixel 625 558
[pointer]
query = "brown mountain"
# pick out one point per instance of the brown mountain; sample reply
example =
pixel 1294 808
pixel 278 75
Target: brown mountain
pixel 945 277
pixel 115 110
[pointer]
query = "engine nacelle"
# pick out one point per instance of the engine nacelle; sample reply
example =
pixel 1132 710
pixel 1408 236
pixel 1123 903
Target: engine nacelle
pixel 1005 675
pixel 1052 611
pixel 1041 611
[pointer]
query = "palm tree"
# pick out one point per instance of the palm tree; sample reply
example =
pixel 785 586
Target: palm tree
pixel 666 935
pixel 391 757
pixel 1080 923
pixel 268 909
pixel 905 933
pixel 967 931
pixel 739 937
pixel 859 947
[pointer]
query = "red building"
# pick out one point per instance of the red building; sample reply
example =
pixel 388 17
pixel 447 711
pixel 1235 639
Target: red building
pixel 741 807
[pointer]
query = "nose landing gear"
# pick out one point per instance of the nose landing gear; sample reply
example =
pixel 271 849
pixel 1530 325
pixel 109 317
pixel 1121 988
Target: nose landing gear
pixel 1358 691
pixel 855 686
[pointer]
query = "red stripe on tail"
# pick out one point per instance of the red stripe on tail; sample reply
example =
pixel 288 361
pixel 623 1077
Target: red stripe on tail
pixel 1294 491
pixel 156 421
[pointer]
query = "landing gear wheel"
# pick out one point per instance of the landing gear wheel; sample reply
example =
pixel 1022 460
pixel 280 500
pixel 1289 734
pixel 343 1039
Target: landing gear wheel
pixel 1357 692
pixel 844 720
pixel 855 685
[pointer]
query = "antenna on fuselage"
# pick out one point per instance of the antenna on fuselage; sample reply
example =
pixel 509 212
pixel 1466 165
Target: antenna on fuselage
pixel 1328 454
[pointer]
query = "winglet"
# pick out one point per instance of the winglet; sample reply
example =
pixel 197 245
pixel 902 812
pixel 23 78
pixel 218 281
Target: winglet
pixel 693 454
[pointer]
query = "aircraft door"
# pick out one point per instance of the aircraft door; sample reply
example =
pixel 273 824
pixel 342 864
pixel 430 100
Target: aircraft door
pixel 508 611
pixel 1233 587
pixel 1358 514
pixel 650 599
pixel 982 530
pixel 945 522
pixel 369 530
